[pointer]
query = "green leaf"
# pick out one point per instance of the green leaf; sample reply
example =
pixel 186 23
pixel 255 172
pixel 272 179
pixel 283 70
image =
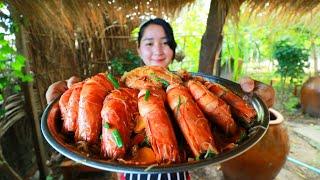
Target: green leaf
pixel 49 177
pixel 16 88
pixel 2 110
pixel 27 78
pixel 6 49
pixel 21 59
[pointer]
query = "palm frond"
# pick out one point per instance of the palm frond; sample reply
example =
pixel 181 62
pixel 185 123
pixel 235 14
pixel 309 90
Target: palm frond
pixel 14 112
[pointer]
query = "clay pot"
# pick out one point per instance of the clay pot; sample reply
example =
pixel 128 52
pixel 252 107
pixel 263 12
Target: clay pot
pixel 310 96
pixel 265 159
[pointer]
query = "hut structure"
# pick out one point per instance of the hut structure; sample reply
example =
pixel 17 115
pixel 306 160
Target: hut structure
pixel 80 37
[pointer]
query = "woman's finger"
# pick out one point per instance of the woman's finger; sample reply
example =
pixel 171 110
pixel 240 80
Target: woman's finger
pixel 55 90
pixel 247 84
pixel 72 80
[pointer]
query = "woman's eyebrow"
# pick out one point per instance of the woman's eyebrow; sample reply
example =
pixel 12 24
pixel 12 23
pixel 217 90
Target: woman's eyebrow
pixel 151 39
pixel 147 39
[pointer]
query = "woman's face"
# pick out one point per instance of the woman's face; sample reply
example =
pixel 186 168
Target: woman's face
pixel 154 49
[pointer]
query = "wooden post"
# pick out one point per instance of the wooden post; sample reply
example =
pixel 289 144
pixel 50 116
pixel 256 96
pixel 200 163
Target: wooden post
pixel 212 39
pixel 30 107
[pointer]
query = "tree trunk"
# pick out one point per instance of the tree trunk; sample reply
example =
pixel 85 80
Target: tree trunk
pixel 212 39
pixel 314 55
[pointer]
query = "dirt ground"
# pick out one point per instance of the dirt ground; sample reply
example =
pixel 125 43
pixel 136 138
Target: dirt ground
pixel 300 148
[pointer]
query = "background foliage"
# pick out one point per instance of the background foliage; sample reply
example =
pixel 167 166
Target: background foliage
pixel 292 59
pixel 11 63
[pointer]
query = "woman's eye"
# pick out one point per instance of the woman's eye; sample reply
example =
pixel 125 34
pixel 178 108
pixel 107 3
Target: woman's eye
pixel 165 43
pixel 148 44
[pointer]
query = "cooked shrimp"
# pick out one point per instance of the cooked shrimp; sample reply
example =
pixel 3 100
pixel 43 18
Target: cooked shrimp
pixel 92 95
pixel 215 108
pixel 70 123
pixel 192 122
pixel 118 114
pixel 238 106
pixel 159 129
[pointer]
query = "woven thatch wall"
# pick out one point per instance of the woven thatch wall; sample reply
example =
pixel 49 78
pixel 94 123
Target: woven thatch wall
pixel 79 37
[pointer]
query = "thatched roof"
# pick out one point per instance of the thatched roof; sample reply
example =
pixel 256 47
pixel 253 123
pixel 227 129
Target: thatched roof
pixel 79 37
pixel 73 18
pixel 287 7
pixel 69 19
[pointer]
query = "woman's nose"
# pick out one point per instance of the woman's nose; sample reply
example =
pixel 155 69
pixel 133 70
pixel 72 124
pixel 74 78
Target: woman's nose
pixel 158 49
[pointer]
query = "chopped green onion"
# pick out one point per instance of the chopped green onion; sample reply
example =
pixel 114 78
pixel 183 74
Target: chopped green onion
pixel 117 138
pixel 100 136
pixel 113 81
pixel 243 136
pixel 147 95
pixel 179 104
pixel 146 141
pixel 209 154
pixel 106 125
pixel 197 158
pixel 156 78
pixel 164 82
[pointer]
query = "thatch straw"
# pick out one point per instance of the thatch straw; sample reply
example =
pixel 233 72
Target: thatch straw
pixel 79 37
pixel 69 18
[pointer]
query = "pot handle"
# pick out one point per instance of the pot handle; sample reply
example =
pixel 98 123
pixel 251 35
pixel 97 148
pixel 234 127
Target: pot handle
pixel 277 114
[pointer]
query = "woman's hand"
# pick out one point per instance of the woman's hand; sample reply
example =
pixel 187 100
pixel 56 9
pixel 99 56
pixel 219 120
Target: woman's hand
pixel 59 87
pixel 264 91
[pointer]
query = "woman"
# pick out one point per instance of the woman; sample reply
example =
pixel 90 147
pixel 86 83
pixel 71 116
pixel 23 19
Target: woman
pixel 156 47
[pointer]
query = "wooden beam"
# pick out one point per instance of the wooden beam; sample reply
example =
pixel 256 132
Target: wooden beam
pixel 31 108
pixel 212 38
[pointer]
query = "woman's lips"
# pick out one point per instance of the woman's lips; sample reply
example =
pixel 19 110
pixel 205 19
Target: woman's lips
pixel 159 60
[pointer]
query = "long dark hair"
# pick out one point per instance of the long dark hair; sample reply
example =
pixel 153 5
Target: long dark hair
pixel 167 29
